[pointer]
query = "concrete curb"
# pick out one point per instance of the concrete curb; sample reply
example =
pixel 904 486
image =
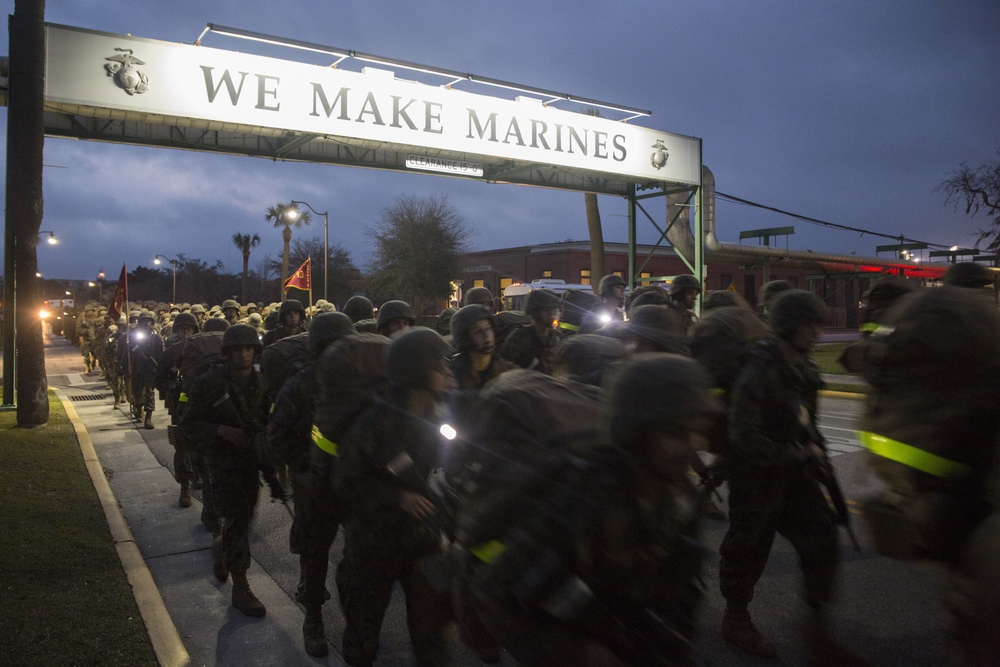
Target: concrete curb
pixel 166 641
pixel 829 393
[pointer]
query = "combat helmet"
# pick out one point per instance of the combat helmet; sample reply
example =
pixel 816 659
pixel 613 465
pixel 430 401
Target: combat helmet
pixel 464 318
pixel 479 295
pixel 793 308
pixel 184 320
pixel 413 354
pixel 968 274
pixel 683 283
pixel 359 308
pixel 657 388
pixel 288 306
pixel 213 323
pixel 239 335
pixel 327 328
pixel 608 283
pixel 541 298
pixel 394 310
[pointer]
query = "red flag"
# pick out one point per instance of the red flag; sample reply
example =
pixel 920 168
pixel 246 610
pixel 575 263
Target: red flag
pixel 120 299
pixel 302 278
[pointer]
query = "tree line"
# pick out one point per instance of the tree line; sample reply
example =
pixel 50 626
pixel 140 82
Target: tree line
pixel 416 245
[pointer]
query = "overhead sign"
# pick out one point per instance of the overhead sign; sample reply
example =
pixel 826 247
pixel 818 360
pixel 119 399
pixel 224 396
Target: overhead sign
pixel 183 81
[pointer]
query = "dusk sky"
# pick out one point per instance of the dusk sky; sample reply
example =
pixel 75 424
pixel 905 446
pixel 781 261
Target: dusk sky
pixel 849 111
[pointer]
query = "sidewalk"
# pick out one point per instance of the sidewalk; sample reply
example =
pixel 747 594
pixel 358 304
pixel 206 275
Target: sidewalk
pixel 174 546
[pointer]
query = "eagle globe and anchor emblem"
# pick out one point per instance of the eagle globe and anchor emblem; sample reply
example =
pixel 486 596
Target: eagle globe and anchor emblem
pixel 125 75
pixel 659 156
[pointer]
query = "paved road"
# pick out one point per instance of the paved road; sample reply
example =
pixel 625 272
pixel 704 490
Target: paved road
pixel 887 611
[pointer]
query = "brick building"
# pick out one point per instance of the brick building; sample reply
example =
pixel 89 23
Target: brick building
pixel 840 284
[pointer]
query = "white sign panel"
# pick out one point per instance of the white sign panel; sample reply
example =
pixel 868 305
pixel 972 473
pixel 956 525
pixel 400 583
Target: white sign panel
pixel 123 72
pixel 458 167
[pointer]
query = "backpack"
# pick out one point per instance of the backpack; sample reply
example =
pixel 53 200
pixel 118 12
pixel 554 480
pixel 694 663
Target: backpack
pixel 281 360
pixel 197 354
pixel 721 342
pixel 931 419
pixel 349 374
pixel 526 423
pixel 505 322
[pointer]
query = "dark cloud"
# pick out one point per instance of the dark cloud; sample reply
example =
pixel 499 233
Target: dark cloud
pixel 846 111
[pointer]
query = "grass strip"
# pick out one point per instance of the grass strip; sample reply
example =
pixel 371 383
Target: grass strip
pixel 66 599
pixel 826 357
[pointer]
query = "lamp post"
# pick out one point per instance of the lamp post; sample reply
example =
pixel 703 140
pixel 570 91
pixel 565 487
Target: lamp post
pixel 52 240
pixel 100 285
pixel 326 236
pixel 173 263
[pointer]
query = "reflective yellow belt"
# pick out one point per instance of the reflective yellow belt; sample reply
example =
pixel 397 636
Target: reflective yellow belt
pixel 567 325
pixel 328 446
pixel 869 327
pixel 911 456
pixel 488 551
pixel 183 397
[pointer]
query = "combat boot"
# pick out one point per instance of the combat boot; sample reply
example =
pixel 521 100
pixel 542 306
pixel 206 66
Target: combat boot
pixel 218 559
pixel 148 424
pixel 313 633
pixel 739 630
pixel 185 498
pixel 243 597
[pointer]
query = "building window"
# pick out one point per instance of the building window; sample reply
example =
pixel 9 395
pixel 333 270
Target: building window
pixel 793 281
pixel 620 274
pixel 750 289
pixel 505 283
pixel 547 274
pixel 478 282
pixel 584 276
pixel 726 281
pixel 645 274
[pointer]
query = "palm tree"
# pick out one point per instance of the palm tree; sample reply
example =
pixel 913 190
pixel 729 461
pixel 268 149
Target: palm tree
pixel 245 242
pixel 279 214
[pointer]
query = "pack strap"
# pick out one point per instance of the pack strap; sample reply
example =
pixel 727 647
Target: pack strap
pixel 914 457
pixel 488 552
pixel 327 445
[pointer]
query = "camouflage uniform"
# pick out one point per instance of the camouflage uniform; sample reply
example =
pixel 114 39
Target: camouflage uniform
pixel 215 400
pixel 85 330
pixel 112 369
pixel 382 543
pixel 100 345
pixel 770 490
pixel 139 358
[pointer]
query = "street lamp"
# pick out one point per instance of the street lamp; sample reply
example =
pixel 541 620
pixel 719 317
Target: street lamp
pixel 326 235
pixel 100 285
pixel 52 237
pixel 173 263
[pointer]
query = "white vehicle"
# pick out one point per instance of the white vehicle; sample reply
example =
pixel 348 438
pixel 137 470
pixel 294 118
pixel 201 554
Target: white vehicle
pixel 516 296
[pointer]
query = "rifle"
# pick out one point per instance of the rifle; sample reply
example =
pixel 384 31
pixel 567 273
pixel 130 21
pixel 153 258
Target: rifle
pixel 259 447
pixel 822 472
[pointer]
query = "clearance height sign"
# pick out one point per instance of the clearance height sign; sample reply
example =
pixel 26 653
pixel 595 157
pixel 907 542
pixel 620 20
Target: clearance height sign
pixel 110 71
